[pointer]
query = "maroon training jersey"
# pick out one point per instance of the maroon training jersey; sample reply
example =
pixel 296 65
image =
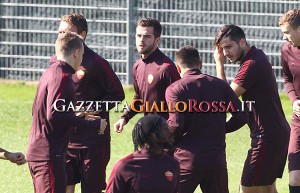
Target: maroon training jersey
pixel 151 77
pixel 145 172
pixel 291 74
pixel 51 128
pixel 256 76
pixel 94 81
pixel 200 135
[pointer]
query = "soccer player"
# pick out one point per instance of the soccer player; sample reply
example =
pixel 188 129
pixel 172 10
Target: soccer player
pixel 88 150
pixel 290 55
pixel 149 169
pixel 52 121
pixel 152 73
pixel 255 81
pixel 17 157
pixel 200 132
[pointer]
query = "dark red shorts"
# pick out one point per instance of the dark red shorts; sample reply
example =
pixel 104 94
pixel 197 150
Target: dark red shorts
pixel 88 167
pixel 215 181
pixel 48 176
pixel 294 148
pixel 265 162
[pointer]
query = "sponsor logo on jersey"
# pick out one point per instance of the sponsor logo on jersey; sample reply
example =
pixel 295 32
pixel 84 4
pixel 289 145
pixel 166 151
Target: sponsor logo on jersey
pixel 169 175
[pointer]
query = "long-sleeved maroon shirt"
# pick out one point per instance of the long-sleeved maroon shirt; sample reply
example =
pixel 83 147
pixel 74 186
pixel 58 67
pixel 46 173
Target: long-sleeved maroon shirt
pixel 145 172
pixel 290 57
pixel 94 81
pixel 200 135
pixel 51 128
pixel 151 77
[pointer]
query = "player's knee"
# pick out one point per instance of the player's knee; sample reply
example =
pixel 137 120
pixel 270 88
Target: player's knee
pixel 295 178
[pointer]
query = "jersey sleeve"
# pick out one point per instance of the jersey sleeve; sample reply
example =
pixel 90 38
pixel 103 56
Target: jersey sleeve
pixel 176 119
pixel 287 76
pixel 171 74
pixel 129 114
pixel 247 75
pixel 109 81
pixel 116 182
pixel 59 100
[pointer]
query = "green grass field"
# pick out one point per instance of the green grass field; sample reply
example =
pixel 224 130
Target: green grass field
pixel 15 121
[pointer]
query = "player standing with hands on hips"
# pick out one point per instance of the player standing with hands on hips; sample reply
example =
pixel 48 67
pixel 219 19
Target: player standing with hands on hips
pixel 255 81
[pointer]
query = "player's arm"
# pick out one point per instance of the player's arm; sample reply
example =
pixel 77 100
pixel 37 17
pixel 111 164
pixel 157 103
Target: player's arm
pixel 119 125
pixel 109 81
pixel 220 61
pixel 116 182
pixel 239 117
pixel 170 74
pixel 289 83
pixel 238 90
pixel 176 119
pixel 61 97
pixel 16 157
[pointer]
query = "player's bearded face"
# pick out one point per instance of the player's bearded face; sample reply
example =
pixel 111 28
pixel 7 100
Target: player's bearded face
pixel 231 49
pixel 146 42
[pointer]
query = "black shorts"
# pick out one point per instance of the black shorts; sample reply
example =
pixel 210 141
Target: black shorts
pixel 88 167
pixel 48 176
pixel 265 162
pixel 215 181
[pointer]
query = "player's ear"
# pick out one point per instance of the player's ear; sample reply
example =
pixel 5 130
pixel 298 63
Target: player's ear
pixel 178 68
pixel 83 35
pixel 243 43
pixel 157 40
pixel 200 65
pixel 76 53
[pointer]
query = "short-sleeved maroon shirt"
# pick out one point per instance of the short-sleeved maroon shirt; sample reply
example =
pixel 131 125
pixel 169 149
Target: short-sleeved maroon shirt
pixel 256 76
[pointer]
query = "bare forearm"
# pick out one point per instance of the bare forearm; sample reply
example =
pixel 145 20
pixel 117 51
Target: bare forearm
pixel 3 153
pixel 221 72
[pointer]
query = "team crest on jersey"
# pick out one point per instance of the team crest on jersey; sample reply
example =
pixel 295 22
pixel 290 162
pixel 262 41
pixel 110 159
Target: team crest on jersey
pixel 169 175
pixel 80 74
pixel 150 78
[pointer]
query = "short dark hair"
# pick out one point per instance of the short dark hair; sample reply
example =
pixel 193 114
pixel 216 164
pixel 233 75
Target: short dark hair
pixel 292 17
pixel 77 20
pixel 148 133
pixel 67 43
pixel 188 56
pixel 233 32
pixel 150 22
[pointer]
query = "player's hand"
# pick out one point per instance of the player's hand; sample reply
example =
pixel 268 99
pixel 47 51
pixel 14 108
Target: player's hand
pixel 103 122
pixel 119 125
pixel 296 108
pixel 17 158
pixel 219 56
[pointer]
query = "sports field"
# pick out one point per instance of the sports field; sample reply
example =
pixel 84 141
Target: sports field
pixel 15 121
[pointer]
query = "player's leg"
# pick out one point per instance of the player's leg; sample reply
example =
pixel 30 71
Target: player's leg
pixel 94 168
pixel 73 172
pixel 264 164
pixel 294 159
pixel 48 176
pixel 259 189
pixel 215 181
pixel 189 180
